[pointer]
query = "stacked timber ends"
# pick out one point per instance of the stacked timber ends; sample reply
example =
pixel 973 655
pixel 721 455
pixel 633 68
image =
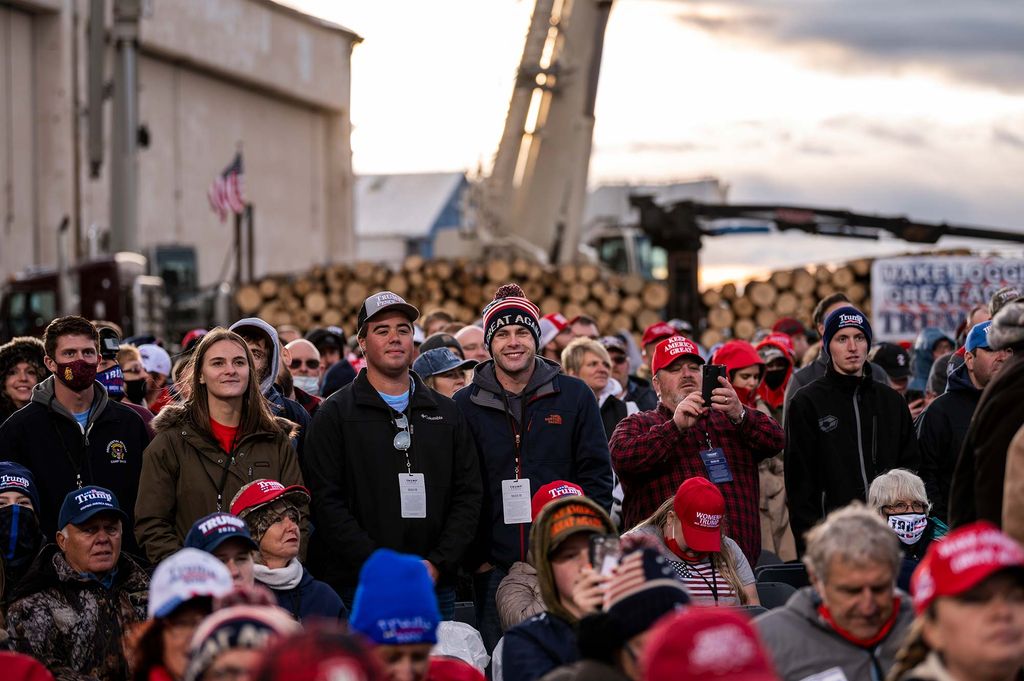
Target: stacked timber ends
pixel 332 294
pixel 733 312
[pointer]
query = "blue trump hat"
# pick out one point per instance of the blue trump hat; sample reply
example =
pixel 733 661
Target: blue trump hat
pixel 82 504
pixel 395 602
pixel 843 318
pixel 977 337
pixel 16 478
pixel 209 532
pixel 439 361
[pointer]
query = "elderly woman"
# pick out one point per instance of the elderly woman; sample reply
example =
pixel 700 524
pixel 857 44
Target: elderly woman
pixel 589 361
pixel 969 600
pixel 273 512
pixel 443 370
pixel 900 498
pixel 21 366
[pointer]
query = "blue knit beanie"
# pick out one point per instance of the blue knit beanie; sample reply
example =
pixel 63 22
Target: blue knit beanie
pixel 395 602
pixel 16 478
pixel 844 318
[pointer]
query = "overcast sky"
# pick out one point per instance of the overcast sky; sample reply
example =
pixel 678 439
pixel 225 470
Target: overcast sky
pixel 871 105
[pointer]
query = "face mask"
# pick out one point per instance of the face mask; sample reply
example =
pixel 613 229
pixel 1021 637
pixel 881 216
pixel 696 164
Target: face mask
pixel 774 379
pixel 113 380
pixel 685 554
pixel 77 375
pixel 908 526
pixel 20 536
pixel 135 390
pixel 307 384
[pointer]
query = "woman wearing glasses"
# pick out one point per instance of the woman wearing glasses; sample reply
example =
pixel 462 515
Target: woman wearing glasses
pixel 273 513
pixel 900 498
pixel 210 445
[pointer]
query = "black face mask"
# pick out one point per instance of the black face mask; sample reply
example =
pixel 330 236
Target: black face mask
pixel 20 537
pixel 774 379
pixel 135 390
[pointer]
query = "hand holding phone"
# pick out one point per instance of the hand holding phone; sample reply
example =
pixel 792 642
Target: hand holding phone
pixel 605 552
pixel 710 374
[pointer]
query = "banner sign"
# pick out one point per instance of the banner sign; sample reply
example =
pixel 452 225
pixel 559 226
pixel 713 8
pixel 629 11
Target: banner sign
pixel 911 293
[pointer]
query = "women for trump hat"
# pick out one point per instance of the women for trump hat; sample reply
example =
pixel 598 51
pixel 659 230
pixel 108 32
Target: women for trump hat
pixel 700 507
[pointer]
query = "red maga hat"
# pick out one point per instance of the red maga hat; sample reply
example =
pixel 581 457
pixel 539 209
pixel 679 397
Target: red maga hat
pixel 657 332
pixel 671 349
pixel 554 490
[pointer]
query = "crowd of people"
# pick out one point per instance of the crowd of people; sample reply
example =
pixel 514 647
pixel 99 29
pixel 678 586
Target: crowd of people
pixel 514 497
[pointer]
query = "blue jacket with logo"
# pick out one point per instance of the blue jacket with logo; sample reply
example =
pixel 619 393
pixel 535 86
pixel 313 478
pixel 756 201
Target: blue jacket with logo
pixel 561 437
pixel 45 438
pixel 841 433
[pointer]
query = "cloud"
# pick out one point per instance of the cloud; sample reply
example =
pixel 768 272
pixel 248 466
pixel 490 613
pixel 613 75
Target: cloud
pixel 1005 137
pixel 977 42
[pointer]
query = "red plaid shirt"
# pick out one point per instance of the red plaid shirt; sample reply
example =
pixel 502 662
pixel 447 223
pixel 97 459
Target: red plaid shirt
pixel 652 458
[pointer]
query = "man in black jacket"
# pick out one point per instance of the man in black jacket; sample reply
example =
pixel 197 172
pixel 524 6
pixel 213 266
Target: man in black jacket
pixel 843 429
pixel 943 425
pixel 390 463
pixel 71 434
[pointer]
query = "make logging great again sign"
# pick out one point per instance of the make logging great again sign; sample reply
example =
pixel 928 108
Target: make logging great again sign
pixel 911 293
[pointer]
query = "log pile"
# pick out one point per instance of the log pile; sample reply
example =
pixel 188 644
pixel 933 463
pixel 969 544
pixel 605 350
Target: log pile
pixel 331 295
pixel 735 313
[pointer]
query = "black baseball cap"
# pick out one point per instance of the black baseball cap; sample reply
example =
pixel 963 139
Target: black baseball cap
pixel 893 358
pixel 211 531
pixel 326 337
pixel 81 504
pixel 381 302
pixel 441 340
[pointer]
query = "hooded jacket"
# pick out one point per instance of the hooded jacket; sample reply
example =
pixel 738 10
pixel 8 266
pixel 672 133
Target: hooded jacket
pixel 941 430
pixel 21 349
pixel 45 438
pixel 842 431
pixel 353 471
pixel 803 644
pixel 736 355
pixel 184 467
pixel 921 360
pixel 561 437
pixel 775 397
pixel 280 405
pixel 72 623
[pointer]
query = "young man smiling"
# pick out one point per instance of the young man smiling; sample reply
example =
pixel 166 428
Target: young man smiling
pixel 844 428
pixel 532 425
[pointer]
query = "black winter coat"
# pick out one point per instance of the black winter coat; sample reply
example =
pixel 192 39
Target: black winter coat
pixel 351 468
pixel 940 435
pixel 46 439
pixel 842 432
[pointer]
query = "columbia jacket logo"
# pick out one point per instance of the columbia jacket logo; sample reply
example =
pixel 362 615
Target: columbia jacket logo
pixel 828 423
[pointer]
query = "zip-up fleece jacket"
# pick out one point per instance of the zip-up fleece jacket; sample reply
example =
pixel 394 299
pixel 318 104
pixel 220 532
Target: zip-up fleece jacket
pixel 74 625
pixel 941 429
pixel 560 436
pixel 802 643
pixel 184 467
pixel 842 432
pixel 45 438
pixel 353 471
pixel 804 376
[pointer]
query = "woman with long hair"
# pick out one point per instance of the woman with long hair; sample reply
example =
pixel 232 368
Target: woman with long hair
pixel 688 530
pixel 219 438
pixel 21 367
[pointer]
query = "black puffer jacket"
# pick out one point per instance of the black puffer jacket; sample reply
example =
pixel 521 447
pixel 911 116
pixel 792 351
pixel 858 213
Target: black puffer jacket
pixel 940 435
pixel 841 432
pixel 352 468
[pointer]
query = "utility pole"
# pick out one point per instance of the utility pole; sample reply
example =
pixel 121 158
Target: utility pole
pixel 124 175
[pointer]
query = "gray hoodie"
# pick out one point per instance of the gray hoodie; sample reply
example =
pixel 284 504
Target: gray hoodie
pixel 274 348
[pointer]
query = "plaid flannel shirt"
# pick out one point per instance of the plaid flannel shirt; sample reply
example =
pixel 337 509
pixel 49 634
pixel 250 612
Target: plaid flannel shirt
pixel 652 458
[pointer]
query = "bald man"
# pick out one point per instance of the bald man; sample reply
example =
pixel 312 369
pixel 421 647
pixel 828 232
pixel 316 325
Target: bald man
pixel 302 360
pixel 471 338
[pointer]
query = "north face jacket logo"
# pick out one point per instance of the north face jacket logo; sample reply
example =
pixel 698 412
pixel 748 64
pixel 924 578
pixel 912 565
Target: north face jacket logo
pixel 828 423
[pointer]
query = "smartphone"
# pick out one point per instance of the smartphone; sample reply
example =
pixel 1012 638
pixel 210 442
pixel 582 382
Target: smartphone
pixel 605 552
pixel 109 343
pixel 711 374
pixel 913 396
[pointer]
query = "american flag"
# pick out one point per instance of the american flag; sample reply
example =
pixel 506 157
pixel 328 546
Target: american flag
pixel 225 193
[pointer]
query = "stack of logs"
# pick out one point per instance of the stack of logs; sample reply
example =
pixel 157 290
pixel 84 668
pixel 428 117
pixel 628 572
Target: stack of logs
pixel 732 313
pixel 331 295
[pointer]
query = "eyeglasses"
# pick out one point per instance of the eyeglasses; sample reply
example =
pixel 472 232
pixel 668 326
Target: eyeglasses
pixel 310 364
pixel 403 438
pixel 904 507
pixel 619 359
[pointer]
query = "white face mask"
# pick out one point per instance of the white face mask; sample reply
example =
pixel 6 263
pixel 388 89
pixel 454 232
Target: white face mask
pixel 908 526
pixel 307 384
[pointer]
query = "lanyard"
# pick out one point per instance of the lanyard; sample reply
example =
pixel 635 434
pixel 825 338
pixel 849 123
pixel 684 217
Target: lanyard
pixel 407 429
pixel 707 439
pixel 517 445
pixel 713 584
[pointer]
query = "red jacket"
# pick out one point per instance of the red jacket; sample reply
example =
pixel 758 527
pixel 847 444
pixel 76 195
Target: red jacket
pixel 775 396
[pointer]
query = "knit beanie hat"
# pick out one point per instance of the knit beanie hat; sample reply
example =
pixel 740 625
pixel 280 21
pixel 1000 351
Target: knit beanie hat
pixel 324 651
pixel 242 626
pixel 16 478
pixel 395 602
pixel 844 318
pixel 511 307
pixel 643 589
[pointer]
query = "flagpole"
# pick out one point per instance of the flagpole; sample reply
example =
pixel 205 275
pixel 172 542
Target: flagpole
pixel 250 245
pixel 238 250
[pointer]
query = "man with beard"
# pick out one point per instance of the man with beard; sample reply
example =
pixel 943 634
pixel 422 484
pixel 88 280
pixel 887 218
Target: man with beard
pixel 943 425
pixel 390 463
pixel 71 434
pixel 653 452
pixel 532 425
pixel 843 429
